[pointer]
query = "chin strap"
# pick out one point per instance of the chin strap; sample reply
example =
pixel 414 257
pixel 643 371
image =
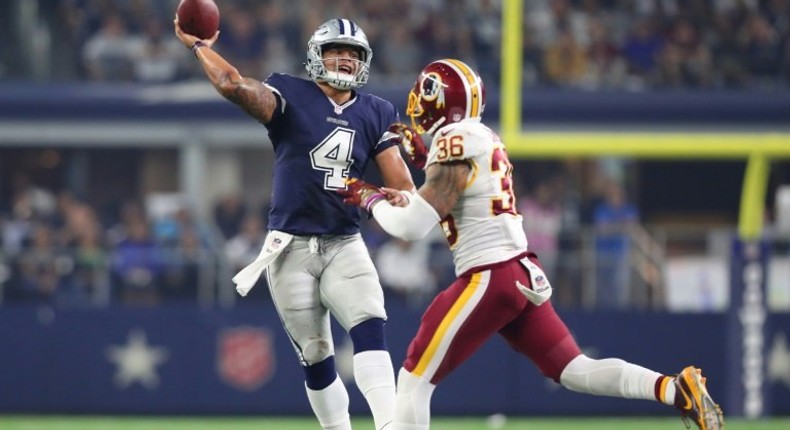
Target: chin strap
pixel 436 126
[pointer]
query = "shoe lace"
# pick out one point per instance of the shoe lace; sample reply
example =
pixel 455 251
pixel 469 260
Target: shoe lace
pixel 686 419
pixel 684 413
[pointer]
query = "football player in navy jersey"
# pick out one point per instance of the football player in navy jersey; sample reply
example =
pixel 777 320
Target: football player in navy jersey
pixel 501 287
pixel 323 132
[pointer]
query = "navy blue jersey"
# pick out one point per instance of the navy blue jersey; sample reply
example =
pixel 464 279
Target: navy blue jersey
pixel 317 145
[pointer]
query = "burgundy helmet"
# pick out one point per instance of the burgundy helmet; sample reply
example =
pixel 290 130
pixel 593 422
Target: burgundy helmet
pixel 446 91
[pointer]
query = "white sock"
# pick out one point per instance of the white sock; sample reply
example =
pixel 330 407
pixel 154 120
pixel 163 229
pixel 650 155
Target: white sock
pixel 375 378
pixel 669 392
pixel 413 408
pixel 330 406
pixel 609 377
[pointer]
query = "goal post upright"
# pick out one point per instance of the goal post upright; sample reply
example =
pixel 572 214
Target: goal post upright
pixel 747 392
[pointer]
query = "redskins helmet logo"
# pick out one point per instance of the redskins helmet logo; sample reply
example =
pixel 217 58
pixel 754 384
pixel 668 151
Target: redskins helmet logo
pixel 432 88
pixel 446 91
pixel 429 89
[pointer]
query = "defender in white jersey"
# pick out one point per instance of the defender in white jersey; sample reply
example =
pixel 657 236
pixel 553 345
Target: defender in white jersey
pixel 483 227
pixel 501 287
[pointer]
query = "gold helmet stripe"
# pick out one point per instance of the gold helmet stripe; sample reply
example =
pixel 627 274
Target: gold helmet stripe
pixel 472 85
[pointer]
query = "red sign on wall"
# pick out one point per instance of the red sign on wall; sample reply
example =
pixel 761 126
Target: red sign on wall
pixel 245 358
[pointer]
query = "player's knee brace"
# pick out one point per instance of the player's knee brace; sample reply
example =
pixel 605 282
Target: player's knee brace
pixel 368 336
pixel 320 375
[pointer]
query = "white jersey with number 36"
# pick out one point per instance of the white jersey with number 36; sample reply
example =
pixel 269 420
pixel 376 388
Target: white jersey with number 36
pixel 484 227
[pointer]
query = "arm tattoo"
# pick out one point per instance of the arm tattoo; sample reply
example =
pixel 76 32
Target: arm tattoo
pixel 252 96
pixel 444 183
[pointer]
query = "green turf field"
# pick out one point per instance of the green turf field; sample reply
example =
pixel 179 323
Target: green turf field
pixel 521 423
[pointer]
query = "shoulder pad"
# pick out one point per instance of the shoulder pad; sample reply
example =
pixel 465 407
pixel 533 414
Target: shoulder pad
pixel 458 141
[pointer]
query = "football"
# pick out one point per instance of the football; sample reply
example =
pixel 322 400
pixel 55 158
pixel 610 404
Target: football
pixel 198 17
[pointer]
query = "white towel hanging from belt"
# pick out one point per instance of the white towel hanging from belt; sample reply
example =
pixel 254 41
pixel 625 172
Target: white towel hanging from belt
pixel 275 243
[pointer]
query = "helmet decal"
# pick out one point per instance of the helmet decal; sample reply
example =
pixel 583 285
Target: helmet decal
pixel 446 91
pixel 431 88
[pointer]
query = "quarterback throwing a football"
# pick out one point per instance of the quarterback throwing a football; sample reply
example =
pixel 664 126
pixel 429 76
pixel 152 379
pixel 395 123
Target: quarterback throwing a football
pixel 500 286
pixel 323 131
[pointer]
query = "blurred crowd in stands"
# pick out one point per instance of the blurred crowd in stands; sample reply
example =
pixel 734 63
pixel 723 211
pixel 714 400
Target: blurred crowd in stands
pixel 60 249
pixel 588 44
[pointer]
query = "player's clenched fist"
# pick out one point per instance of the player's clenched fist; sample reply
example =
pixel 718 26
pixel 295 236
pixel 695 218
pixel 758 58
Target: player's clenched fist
pixel 412 142
pixel 360 193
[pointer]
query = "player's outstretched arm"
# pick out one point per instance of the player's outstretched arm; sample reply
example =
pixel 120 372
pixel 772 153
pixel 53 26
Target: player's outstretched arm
pixel 444 183
pixel 250 94
pixel 395 174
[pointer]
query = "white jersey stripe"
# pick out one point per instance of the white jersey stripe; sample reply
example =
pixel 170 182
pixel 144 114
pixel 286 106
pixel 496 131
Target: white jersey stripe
pixel 445 334
pixel 276 91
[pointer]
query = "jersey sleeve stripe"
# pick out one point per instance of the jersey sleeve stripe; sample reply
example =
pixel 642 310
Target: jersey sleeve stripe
pixel 278 94
pixel 475 171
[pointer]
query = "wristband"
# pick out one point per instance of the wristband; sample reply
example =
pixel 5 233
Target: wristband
pixel 407 195
pixel 373 199
pixel 197 45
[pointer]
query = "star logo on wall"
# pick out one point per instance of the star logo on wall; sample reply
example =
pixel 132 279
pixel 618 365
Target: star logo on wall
pixel 136 361
pixel 779 360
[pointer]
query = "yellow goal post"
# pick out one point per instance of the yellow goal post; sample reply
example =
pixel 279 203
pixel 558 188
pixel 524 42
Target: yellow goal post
pixel 757 148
